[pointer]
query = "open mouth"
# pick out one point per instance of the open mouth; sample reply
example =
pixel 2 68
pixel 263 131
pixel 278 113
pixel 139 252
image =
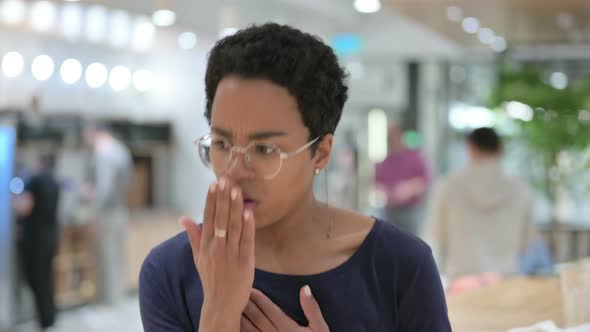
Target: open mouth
pixel 249 204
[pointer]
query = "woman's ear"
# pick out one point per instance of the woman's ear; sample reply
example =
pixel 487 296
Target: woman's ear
pixel 323 152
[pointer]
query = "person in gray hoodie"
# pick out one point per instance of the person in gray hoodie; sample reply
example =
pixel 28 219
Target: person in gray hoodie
pixel 110 177
pixel 481 219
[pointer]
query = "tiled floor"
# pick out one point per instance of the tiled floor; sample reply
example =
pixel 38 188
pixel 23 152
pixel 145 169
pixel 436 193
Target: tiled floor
pixel 124 318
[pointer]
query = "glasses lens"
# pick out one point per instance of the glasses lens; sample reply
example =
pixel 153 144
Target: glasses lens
pixel 215 153
pixel 264 159
pixel 204 146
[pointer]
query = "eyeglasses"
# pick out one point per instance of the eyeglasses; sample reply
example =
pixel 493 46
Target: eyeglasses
pixel 264 159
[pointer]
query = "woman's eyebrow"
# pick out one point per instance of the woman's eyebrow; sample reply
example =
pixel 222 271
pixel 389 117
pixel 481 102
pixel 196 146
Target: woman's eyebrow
pixel 266 134
pixel 223 132
pixel 253 136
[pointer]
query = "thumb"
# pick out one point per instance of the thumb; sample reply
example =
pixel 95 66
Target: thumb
pixel 312 311
pixel 194 234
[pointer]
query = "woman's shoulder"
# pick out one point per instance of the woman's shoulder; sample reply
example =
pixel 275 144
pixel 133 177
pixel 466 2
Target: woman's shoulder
pixel 400 258
pixel 395 243
pixel 382 240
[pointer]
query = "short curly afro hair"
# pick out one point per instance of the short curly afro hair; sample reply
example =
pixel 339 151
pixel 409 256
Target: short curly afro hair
pixel 290 58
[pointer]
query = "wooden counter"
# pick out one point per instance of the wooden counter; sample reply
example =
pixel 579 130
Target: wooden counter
pixel 75 263
pixel 512 303
pixel 146 230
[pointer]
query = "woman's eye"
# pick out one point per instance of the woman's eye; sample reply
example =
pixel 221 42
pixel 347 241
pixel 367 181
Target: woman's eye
pixel 220 144
pixel 265 149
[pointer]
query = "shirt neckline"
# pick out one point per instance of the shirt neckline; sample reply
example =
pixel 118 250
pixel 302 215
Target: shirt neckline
pixel 367 242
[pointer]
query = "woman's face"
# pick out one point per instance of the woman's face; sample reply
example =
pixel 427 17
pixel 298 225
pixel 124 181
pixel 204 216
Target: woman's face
pixel 247 110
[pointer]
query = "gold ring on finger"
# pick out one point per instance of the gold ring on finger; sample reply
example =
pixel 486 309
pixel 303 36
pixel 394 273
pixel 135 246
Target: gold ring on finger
pixel 220 233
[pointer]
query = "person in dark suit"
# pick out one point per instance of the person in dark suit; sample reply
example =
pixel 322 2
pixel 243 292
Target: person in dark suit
pixel 36 209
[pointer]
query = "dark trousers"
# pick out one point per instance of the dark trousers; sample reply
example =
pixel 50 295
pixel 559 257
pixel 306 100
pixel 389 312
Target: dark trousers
pixel 37 265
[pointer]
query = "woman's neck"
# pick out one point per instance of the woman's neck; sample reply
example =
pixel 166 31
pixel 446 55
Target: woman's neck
pixel 293 236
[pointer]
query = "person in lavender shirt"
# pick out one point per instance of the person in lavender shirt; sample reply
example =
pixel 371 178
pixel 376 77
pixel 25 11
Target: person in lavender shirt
pixel 403 179
pixel 269 256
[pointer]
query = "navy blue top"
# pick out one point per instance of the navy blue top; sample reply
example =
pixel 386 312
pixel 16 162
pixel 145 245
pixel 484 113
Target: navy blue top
pixel 391 283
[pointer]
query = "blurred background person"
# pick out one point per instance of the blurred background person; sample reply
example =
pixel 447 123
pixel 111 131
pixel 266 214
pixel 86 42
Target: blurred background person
pixel 37 210
pixel 110 179
pixel 403 177
pixel 481 218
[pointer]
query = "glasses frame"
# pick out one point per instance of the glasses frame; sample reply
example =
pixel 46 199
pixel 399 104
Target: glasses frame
pixel 239 149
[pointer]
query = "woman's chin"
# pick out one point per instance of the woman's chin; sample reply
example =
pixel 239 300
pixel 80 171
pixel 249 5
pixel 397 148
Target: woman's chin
pixel 262 221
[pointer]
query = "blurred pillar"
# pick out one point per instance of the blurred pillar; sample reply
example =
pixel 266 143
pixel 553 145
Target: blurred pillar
pixel 7 145
pixel 410 118
pixel 432 116
pixel 228 19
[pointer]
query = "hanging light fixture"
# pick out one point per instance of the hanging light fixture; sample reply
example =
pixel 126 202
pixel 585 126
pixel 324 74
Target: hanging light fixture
pixel 143 33
pixel 228 20
pixel 367 6
pixel 12 11
pixel 187 40
pixel 43 15
pixel 164 16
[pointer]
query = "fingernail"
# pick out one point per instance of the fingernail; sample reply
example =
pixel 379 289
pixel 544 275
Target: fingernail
pixel 307 290
pixel 222 184
pixel 234 194
pixel 212 187
pixel 247 214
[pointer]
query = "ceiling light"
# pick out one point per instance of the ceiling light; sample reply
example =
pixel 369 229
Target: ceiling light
pixel 164 17
pixel 119 28
pixel 42 67
pixel 499 44
pixel 367 6
pixel 12 64
pixel 187 40
pixel 486 36
pixel 71 20
pixel 120 78
pixel 96 75
pixel 226 32
pixel 71 71
pixel 12 11
pixel 471 25
pixel 558 80
pixel 143 33
pixel 96 24
pixel 454 14
pixel 43 15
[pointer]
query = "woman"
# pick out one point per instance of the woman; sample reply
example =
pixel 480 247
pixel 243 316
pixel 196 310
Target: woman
pixel 269 256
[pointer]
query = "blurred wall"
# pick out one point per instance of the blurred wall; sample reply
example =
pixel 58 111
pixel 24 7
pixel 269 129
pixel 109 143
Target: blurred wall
pixel 177 97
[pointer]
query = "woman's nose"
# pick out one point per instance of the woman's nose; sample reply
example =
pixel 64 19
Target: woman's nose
pixel 238 168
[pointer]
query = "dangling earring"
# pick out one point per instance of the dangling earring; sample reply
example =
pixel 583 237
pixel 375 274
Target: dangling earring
pixel 330 217
pixel 329 232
